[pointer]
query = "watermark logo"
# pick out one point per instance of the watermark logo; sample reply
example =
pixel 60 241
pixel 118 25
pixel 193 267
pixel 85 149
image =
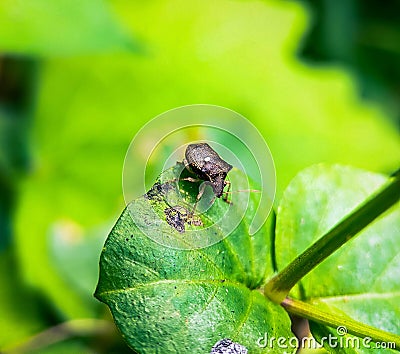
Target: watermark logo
pixel 340 340
pixel 341 330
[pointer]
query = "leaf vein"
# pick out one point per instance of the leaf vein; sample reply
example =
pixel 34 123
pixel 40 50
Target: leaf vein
pixel 171 281
pixel 245 317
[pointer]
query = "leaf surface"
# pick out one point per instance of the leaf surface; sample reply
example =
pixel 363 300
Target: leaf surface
pixel 182 300
pixel 360 279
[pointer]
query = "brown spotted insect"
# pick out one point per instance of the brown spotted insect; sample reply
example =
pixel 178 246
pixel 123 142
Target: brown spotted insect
pixel 202 161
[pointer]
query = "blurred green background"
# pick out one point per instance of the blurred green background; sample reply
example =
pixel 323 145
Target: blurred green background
pixel 78 79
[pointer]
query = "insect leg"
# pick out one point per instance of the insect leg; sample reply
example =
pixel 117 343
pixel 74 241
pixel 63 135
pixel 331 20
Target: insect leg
pixel 225 194
pixel 190 179
pixel 199 195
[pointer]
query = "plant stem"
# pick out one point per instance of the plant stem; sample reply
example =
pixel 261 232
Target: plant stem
pixel 362 330
pixel 63 331
pixel 280 285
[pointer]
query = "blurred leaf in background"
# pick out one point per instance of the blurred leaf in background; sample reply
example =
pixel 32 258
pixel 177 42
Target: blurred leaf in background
pixel 363 36
pixel 104 70
pixel 62 27
pixel 36 31
pixel 17 77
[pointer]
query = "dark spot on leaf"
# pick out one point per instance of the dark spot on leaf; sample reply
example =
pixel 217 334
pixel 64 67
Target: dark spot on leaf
pixel 154 192
pixel 159 191
pixel 227 346
pixel 175 219
pixel 195 220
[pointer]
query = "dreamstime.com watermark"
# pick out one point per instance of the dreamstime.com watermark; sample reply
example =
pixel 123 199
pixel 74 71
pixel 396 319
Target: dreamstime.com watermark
pixel 338 341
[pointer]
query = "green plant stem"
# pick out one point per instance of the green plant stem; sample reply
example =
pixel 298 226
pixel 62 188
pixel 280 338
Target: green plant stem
pixel 280 285
pixel 362 330
pixel 79 327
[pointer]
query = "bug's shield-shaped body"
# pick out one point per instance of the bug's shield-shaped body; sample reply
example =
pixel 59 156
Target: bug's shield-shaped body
pixel 204 162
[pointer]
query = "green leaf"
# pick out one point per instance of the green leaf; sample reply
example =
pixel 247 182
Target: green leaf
pixel 77 176
pixel 350 226
pixel 363 277
pixel 183 299
pixel 101 102
pixel 325 120
pixel 61 27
